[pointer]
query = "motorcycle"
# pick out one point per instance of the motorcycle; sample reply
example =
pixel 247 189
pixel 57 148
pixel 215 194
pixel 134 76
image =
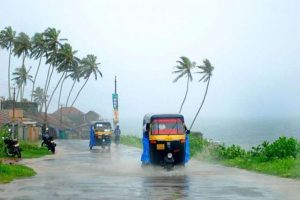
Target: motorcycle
pixel 12 147
pixel 48 141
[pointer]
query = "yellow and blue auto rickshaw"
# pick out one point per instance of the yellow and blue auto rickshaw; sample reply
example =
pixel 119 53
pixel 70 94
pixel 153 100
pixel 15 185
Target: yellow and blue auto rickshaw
pixel 165 140
pixel 100 134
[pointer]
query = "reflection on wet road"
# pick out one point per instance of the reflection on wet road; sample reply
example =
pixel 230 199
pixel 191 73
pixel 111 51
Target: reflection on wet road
pixel 75 172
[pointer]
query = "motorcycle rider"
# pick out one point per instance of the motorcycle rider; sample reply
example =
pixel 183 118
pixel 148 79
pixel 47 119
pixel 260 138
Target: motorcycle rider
pixel 117 133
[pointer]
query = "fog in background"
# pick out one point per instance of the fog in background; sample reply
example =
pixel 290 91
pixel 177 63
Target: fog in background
pixel 253 45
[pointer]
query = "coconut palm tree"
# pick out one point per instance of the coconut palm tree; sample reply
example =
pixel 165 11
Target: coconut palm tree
pixel 39 97
pixel 52 43
pixel 184 68
pixel 67 62
pixel 7 37
pixel 22 46
pixel 21 76
pixel 89 66
pixel 207 69
pixel 76 73
pixel 38 50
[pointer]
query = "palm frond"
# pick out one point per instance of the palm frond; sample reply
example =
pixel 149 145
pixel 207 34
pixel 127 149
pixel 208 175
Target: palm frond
pixel 178 77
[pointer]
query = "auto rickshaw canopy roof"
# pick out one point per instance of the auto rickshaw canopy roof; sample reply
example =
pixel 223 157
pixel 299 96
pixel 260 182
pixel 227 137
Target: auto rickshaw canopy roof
pixel 148 118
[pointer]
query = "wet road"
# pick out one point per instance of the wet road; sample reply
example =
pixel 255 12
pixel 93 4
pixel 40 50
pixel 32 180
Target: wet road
pixel 75 172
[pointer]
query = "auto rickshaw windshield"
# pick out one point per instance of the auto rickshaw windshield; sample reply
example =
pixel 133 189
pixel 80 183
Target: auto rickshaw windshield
pixel 167 126
pixel 102 126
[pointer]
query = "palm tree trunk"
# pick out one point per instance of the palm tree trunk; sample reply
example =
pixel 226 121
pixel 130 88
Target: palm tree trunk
pixel 80 91
pixel 10 52
pixel 70 93
pixel 45 95
pixel 61 87
pixel 201 104
pixel 54 90
pixel 41 107
pixel 36 73
pixel 23 64
pixel 187 89
pixel 23 87
pixel 49 80
pixel 17 94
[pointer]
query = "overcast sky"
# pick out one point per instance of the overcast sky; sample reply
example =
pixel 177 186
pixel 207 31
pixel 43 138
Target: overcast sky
pixel 253 45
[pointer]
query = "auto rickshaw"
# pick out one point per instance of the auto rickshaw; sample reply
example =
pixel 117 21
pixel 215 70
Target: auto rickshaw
pixel 165 140
pixel 100 134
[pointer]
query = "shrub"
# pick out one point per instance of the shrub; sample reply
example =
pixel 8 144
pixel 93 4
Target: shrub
pixel 230 152
pixel 281 148
pixel 197 143
pixel 3 133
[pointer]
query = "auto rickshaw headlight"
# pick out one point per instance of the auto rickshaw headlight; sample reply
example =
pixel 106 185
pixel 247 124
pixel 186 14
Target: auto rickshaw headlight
pixel 170 155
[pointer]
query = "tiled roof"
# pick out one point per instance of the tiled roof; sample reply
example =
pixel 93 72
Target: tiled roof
pixel 68 111
pixel 51 119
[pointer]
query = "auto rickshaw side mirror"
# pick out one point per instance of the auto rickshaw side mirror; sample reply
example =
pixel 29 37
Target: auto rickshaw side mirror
pixel 187 131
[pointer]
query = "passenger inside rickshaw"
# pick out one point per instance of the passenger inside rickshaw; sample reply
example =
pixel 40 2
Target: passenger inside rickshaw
pixel 167 127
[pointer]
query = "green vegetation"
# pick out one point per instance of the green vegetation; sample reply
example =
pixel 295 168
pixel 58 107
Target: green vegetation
pixel 33 150
pixel 131 140
pixel 29 149
pixel 11 172
pixel 280 158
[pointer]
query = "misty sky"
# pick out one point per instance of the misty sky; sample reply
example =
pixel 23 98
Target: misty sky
pixel 253 45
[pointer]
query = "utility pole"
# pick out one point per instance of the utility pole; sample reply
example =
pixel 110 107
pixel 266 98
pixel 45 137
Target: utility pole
pixel 13 114
pixel 45 125
pixel 115 84
pixel 115 105
pixel 61 113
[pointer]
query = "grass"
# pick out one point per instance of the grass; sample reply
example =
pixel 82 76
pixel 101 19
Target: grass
pixel 131 140
pixel 33 150
pixel 15 171
pixel 288 167
pixel 29 150
pixel 11 172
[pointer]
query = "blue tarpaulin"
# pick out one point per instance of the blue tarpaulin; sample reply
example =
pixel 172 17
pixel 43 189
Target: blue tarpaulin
pixel 92 136
pixel 146 154
pixel 187 148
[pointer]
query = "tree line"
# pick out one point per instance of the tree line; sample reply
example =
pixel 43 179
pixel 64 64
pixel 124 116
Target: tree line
pixel 50 51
